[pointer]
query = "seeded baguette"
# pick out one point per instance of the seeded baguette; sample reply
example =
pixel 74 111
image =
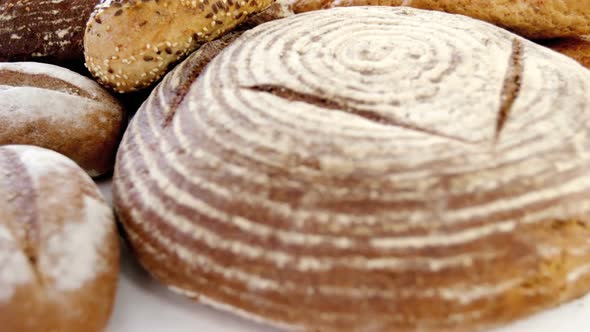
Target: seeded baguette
pixel 130 44
pixel 530 18
pixel 344 171
pixel 59 248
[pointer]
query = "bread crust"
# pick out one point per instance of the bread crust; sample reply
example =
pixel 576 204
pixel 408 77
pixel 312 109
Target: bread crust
pixel 577 48
pixel 343 170
pixel 52 107
pixel 530 18
pixel 60 262
pixel 44 30
pixel 129 45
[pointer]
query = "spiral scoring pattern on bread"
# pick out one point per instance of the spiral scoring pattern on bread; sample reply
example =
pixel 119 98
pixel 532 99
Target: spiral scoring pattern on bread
pixel 366 169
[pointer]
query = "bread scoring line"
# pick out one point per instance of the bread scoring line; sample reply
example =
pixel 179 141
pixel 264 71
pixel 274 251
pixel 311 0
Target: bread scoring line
pixel 290 95
pixel 511 87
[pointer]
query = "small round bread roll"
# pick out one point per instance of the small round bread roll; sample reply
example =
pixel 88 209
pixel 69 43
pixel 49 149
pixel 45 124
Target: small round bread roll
pixel 366 169
pixel 129 45
pixel 530 18
pixel 577 48
pixel 59 250
pixel 58 109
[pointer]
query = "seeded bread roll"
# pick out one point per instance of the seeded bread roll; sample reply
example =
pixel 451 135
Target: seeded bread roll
pixel 130 44
pixel 343 170
pixel 192 67
pixel 58 245
pixel 577 48
pixel 44 30
pixel 530 18
pixel 52 107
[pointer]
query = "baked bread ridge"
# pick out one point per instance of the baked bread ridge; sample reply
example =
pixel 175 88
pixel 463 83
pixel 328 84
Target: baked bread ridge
pixel 529 18
pixel 577 48
pixel 55 108
pixel 130 44
pixel 60 262
pixel 43 30
pixel 327 171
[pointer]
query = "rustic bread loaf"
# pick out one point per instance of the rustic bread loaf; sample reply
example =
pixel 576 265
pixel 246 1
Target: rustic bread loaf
pixel 43 30
pixel 130 44
pixel 277 10
pixel 301 6
pixel 52 107
pixel 58 245
pixel 530 18
pixel 191 68
pixel 366 169
pixel 577 48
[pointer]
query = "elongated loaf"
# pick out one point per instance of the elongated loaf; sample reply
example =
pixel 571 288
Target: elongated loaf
pixel 366 169
pixel 44 30
pixel 58 245
pixel 130 44
pixel 52 107
pixel 530 18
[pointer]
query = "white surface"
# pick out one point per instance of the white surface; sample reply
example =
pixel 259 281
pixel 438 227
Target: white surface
pixel 143 305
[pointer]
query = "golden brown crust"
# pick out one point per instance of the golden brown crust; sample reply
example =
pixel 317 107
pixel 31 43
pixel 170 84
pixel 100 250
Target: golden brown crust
pixel 328 172
pixel 58 245
pixel 577 48
pixel 130 44
pixel 52 107
pixel 529 18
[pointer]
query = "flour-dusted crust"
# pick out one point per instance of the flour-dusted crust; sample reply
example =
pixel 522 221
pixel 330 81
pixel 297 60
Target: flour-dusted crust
pixel 366 169
pixel 530 18
pixel 577 48
pixel 58 245
pixel 58 109
pixel 130 44
pixel 47 30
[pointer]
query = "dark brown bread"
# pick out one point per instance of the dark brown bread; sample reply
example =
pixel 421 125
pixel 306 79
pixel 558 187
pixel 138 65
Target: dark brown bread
pixel 59 249
pixel 55 108
pixel 344 170
pixel 44 30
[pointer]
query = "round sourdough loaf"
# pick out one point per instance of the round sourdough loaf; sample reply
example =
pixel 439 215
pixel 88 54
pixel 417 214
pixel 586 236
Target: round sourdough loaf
pixel 44 30
pixel 129 45
pixel 59 249
pixel 55 108
pixel 530 18
pixel 366 169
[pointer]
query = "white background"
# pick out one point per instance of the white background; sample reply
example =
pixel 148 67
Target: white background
pixel 142 305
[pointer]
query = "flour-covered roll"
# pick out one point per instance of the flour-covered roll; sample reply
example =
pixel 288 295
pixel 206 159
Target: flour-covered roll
pixel 59 249
pixel 366 169
pixel 55 108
